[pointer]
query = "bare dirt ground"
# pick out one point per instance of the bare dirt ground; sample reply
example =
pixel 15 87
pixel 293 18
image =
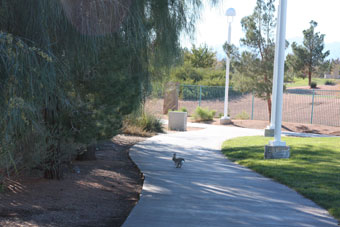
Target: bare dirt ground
pixel 101 194
pixel 286 126
pixel 257 124
pixel 290 127
pixel 304 106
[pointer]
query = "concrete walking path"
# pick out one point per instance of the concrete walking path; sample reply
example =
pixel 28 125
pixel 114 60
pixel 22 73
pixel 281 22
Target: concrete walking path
pixel 209 190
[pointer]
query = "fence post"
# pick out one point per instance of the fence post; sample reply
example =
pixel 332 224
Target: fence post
pixel 199 103
pixel 311 117
pixel 252 106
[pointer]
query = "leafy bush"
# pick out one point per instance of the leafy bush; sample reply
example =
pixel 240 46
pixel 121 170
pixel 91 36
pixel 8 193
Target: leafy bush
pixel 183 109
pixel 243 116
pixel 313 85
pixel 150 123
pixel 329 82
pixel 187 74
pixel 144 125
pixel 202 114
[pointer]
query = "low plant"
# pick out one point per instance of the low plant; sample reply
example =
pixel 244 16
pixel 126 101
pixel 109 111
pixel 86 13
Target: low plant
pixel 183 109
pixel 203 114
pixel 329 82
pixel 243 116
pixel 144 125
pixel 313 84
pixel 150 123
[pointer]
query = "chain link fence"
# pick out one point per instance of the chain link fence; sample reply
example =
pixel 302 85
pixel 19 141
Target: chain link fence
pixel 305 106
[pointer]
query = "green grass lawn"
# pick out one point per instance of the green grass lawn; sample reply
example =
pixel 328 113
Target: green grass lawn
pixel 313 169
pixel 299 82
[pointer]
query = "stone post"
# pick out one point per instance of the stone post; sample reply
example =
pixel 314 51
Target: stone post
pixel 170 97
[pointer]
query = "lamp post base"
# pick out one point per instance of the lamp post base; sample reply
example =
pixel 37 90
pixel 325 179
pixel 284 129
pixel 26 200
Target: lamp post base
pixel 276 152
pixel 225 121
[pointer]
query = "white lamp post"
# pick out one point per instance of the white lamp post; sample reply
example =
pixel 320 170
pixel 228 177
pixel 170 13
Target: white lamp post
pixel 231 13
pixel 269 131
pixel 277 148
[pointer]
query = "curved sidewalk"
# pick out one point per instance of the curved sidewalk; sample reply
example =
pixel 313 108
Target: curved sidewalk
pixel 209 190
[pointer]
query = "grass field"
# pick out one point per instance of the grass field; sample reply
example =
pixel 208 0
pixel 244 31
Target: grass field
pixel 299 82
pixel 313 169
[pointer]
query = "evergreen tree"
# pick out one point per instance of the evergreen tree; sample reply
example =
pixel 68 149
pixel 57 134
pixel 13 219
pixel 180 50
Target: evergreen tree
pixel 198 66
pixel 201 57
pixel 311 54
pixel 71 69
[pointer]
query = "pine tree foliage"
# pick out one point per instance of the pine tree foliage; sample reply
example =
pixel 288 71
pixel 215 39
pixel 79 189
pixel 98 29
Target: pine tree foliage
pixel 200 57
pixel 311 54
pixel 71 69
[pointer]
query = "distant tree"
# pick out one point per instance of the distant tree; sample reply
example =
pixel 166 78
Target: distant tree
pixel 199 66
pixel 254 68
pixel 201 57
pixel 295 66
pixel 324 68
pixel 311 54
pixel 233 53
pixel 186 74
pixel 335 67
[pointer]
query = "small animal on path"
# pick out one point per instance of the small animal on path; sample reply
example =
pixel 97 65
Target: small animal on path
pixel 178 161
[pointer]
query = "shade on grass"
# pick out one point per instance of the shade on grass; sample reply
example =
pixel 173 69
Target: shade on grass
pixel 313 169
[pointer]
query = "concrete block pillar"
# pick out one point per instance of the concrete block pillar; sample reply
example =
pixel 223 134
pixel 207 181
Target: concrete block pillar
pixel 276 152
pixel 177 121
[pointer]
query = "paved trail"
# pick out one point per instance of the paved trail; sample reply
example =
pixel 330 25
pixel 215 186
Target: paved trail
pixel 209 190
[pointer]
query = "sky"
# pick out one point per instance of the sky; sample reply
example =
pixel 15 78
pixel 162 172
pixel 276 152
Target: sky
pixel 212 28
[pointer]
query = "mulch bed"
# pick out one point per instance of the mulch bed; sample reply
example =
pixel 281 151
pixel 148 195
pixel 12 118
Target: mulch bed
pixel 92 193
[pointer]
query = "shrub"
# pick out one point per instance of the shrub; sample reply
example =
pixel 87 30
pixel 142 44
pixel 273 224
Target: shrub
pixel 150 123
pixel 183 109
pixel 144 125
pixel 329 82
pixel 313 85
pixel 243 116
pixel 133 130
pixel 202 114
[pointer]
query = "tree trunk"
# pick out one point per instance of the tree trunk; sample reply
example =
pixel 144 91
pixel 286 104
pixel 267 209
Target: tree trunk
pixel 269 103
pixel 53 168
pixel 88 155
pixel 309 77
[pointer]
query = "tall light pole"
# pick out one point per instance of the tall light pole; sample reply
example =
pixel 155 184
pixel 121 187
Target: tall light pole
pixel 277 148
pixel 231 13
pixel 269 131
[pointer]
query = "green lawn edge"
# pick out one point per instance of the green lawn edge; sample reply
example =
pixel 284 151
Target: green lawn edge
pixel 299 82
pixel 313 170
